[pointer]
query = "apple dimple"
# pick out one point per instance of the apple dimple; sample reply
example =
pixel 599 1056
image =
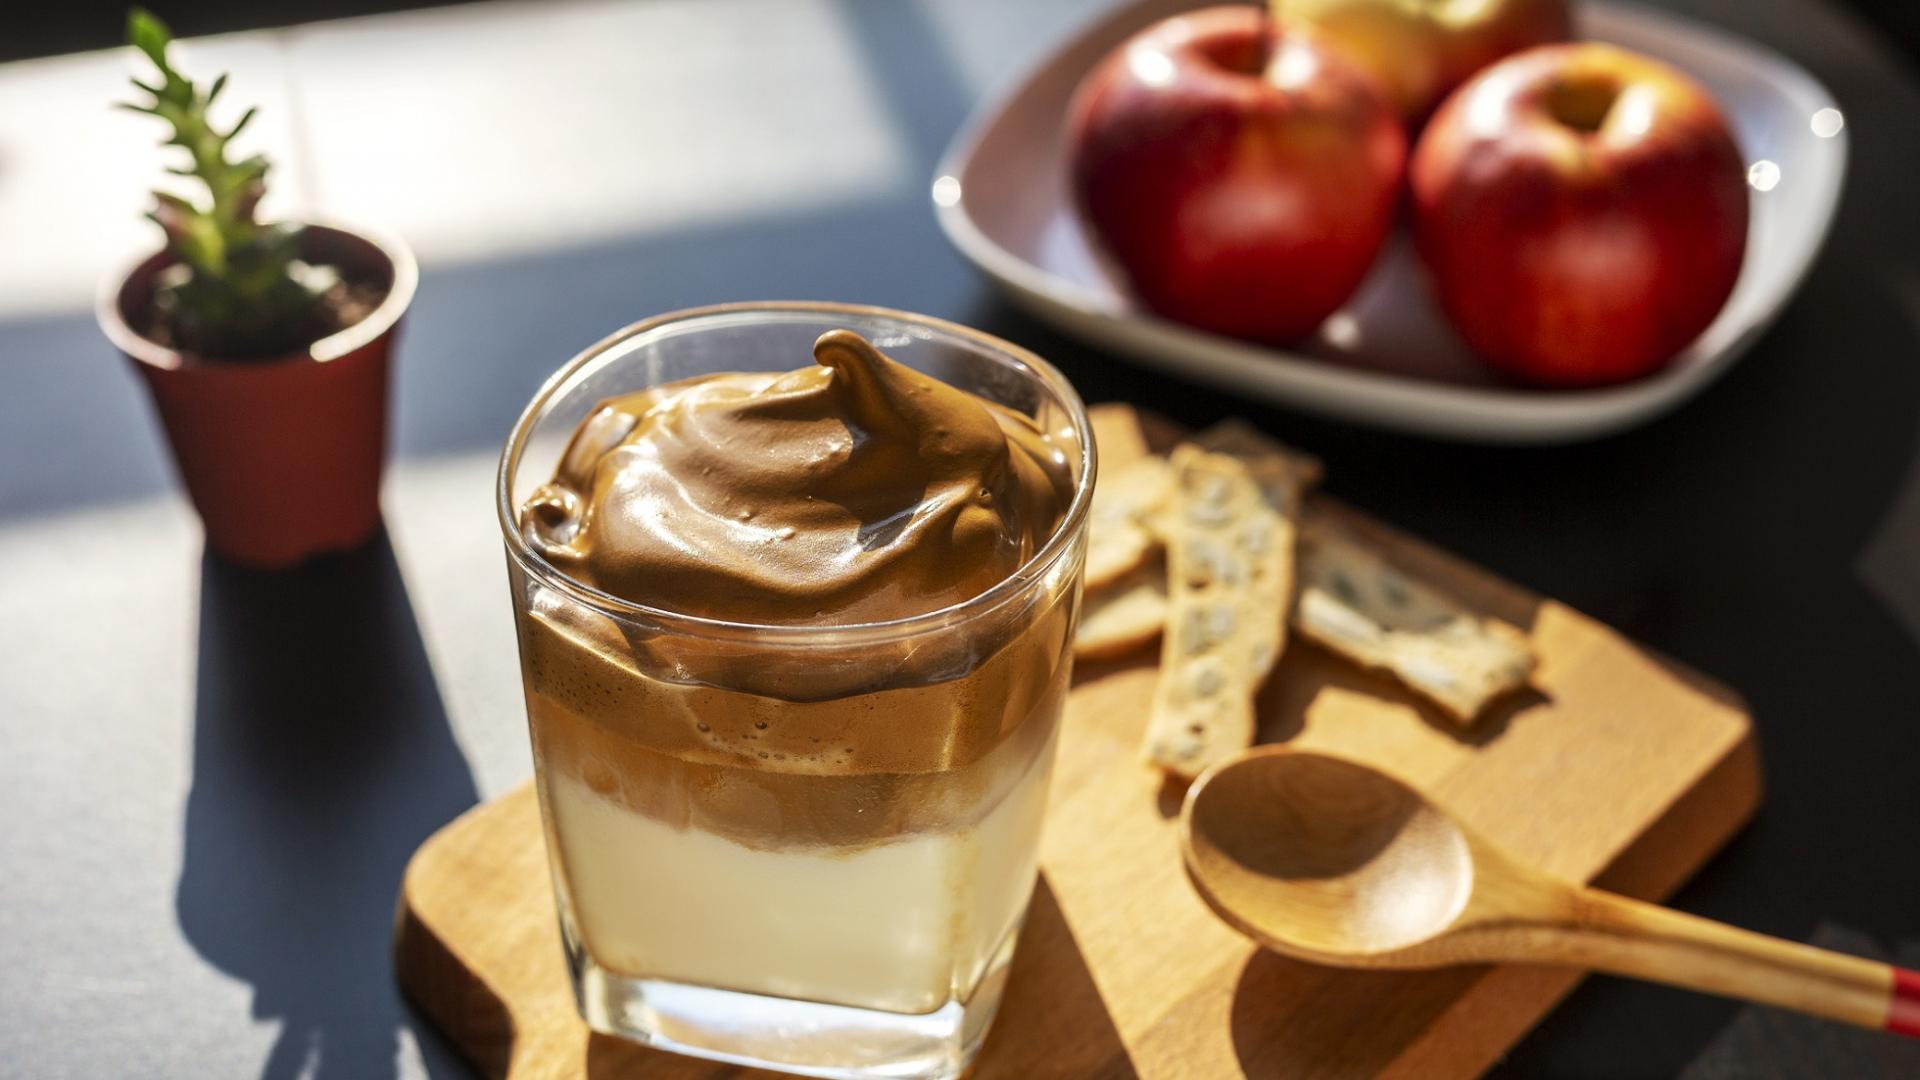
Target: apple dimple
pixel 1241 56
pixel 1582 101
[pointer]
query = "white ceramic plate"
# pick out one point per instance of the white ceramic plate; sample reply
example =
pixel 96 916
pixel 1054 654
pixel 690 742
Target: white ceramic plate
pixel 1389 358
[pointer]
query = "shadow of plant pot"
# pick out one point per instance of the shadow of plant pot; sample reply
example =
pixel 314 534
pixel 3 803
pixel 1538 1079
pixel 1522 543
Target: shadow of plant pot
pixel 282 457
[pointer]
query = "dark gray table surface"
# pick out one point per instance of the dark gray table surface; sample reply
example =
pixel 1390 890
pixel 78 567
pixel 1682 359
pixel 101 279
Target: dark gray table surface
pixel 211 778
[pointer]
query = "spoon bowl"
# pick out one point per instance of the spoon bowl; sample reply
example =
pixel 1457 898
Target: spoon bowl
pixel 1359 861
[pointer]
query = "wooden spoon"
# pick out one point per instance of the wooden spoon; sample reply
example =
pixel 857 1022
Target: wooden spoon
pixel 1327 860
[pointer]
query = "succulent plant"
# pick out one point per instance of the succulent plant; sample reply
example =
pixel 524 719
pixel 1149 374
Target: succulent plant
pixel 239 289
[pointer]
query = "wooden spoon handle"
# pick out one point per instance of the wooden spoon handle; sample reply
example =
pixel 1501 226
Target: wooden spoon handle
pixel 1627 937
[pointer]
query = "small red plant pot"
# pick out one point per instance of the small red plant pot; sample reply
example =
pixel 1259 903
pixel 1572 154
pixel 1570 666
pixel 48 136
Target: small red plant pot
pixel 281 457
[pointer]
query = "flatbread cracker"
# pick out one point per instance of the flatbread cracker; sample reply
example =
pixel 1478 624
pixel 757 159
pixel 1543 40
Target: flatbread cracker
pixel 1229 531
pixel 1283 473
pixel 1119 432
pixel 1124 615
pixel 1354 602
pixel 1119 537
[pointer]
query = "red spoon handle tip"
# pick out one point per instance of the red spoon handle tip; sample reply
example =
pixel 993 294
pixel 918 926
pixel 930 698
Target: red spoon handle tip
pixel 1903 1006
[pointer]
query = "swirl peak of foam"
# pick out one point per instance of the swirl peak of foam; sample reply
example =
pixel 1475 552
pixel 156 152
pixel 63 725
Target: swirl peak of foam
pixel 853 490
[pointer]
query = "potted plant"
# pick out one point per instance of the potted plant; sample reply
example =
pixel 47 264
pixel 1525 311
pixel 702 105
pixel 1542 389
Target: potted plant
pixel 265 345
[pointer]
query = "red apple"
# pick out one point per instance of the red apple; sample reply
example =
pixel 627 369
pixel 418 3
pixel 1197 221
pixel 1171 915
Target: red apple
pixel 1240 176
pixel 1582 212
pixel 1421 50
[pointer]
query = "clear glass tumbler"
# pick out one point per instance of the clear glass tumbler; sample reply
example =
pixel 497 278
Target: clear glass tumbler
pixel 809 848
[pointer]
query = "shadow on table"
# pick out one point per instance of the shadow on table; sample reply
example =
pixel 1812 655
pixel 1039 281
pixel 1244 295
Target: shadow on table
pixel 1283 1009
pixel 322 757
pixel 1053 1021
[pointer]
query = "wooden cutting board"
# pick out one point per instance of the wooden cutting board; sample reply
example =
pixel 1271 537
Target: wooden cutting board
pixel 1619 768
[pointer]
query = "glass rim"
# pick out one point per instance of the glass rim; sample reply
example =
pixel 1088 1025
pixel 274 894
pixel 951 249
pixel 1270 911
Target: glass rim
pixel 684 624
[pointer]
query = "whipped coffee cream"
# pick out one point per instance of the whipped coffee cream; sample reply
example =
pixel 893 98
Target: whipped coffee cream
pixel 853 490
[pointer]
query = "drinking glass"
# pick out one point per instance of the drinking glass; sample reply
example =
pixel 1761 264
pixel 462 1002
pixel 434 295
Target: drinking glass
pixel 804 847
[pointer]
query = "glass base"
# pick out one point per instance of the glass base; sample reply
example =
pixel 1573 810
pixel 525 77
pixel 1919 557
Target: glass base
pixel 801 1037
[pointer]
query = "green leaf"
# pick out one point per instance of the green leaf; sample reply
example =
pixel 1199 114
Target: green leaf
pixel 132 106
pixel 245 118
pixel 203 245
pixel 149 35
pixel 249 170
pixel 219 84
pixel 185 206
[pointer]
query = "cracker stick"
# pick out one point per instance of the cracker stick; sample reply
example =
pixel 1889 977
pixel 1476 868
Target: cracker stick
pixel 1119 539
pixel 1283 473
pixel 1119 432
pixel 1230 582
pixel 1125 614
pixel 1357 604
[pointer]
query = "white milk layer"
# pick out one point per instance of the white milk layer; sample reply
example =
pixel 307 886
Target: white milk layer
pixel 903 926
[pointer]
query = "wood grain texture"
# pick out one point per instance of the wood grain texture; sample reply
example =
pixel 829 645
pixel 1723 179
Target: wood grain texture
pixel 1618 768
